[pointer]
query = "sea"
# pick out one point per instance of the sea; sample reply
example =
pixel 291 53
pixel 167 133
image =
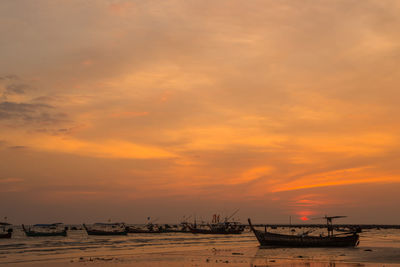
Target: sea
pixel 376 248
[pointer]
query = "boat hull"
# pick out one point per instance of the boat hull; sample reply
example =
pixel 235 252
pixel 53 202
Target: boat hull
pixel 5 235
pixel 32 233
pixel 214 232
pixel 103 232
pixel 94 232
pixel 131 230
pixel 268 239
pixel 37 234
pixel 220 229
pixel 279 240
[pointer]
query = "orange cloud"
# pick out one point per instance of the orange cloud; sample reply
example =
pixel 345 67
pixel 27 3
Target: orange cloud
pixel 372 143
pixel 121 8
pixel 10 180
pixel 129 114
pixel 101 148
pixel 252 174
pixel 310 184
pixel 87 62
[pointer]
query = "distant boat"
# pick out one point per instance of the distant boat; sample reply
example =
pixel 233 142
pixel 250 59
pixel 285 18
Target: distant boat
pixel 152 228
pixel 347 239
pixel 146 229
pixel 156 229
pixel 106 229
pixel 226 227
pixel 5 230
pixel 55 229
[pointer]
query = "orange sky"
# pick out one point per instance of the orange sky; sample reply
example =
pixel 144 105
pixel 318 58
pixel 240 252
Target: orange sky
pixel 127 109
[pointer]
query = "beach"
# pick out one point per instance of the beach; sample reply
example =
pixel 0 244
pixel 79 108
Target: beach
pixel 377 248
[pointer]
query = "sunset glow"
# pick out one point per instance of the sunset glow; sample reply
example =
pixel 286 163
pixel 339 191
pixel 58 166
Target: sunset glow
pixel 128 109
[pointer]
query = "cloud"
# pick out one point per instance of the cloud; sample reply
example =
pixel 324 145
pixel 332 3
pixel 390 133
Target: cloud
pixel 128 114
pixel 10 77
pixel 101 149
pixel 16 113
pixel 17 147
pixel 16 89
pixel 213 99
pixel 10 180
pixel 12 185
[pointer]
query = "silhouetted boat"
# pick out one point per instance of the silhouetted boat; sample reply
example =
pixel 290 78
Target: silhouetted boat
pixel 141 230
pixel 216 227
pixel 227 228
pixel 157 229
pixel 348 239
pixel 6 234
pixel 106 229
pixel 5 230
pixel 55 229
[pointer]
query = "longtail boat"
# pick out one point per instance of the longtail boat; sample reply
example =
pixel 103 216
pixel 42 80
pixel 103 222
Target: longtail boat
pixel 55 229
pixel 5 230
pixel 106 229
pixel 345 239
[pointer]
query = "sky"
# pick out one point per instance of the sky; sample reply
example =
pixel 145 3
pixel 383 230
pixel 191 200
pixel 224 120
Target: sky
pixel 122 110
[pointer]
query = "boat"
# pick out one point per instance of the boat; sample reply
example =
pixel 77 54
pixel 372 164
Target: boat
pixel 5 230
pixel 54 229
pixel 216 227
pixel 146 229
pixel 344 239
pixel 151 229
pixel 226 228
pixel 106 229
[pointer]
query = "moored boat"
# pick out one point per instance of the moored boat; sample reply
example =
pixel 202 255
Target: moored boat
pixel 146 229
pixel 5 230
pixel 55 229
pixel 346 239
pixel 6 234
pixel 226 227
pixel 106 229
pixel 156 229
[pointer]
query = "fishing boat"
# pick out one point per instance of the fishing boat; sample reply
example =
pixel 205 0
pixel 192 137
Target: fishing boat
pixel 343 239
pixel 54 229
pixel 146 229
pixel 106 229
pixel 5 230
pixel 151 229
pixel 226 227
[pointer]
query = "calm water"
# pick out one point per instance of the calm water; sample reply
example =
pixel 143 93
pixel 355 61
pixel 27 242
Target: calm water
pixel 375 246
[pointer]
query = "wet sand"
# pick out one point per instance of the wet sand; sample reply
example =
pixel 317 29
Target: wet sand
pixel 265 257
pixel 377 248
pixel 249 257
